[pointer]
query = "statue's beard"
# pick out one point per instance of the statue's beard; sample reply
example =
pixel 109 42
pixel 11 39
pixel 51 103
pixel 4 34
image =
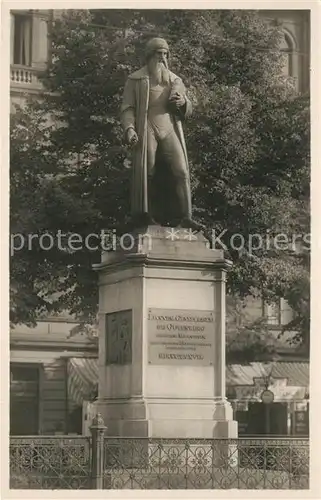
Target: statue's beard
pixel 159 72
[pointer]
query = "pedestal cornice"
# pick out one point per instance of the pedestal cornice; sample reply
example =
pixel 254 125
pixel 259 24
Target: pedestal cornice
pixel 160 247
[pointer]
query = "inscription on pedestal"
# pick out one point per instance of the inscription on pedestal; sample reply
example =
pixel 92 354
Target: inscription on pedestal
pixel 118 328
pixel 180 337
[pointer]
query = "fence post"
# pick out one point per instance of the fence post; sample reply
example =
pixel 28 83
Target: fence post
pixel 97 430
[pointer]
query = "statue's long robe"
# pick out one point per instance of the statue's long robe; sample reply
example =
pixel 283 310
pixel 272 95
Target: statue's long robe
pixel 134 114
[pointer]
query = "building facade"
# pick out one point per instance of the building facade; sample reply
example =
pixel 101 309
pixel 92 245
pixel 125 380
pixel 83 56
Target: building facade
pixel 29 50
pixel 53 372
pixel 30 47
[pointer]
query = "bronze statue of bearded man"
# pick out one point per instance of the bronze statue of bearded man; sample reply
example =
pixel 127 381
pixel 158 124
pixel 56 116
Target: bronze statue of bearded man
pixel 154 106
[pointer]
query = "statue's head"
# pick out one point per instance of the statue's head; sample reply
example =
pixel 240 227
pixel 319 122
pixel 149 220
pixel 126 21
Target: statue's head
pixel 157 54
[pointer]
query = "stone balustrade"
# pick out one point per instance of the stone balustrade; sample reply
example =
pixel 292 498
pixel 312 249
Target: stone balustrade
pixel 24 76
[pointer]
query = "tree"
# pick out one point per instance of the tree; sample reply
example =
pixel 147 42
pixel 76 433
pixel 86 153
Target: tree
pixel 248 145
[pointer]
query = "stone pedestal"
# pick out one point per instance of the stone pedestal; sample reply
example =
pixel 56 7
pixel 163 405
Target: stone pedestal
pixel 162 337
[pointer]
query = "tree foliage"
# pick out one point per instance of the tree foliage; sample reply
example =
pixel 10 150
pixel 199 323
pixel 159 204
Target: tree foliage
pixel 248 146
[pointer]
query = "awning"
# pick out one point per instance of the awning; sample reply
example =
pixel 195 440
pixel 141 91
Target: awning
pixel 296 373
pixel 82 379
pixel 288 380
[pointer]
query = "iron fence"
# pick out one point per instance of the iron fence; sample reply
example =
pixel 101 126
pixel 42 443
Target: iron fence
pixel 103 462
pixel 206 464
pixel 53 462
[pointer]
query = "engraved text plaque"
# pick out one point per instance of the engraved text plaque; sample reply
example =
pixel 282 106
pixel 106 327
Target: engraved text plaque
pixel 180 337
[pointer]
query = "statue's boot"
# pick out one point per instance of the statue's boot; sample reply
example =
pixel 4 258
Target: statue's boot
pixel 137 222
pixel 143 220
pixel 190 223
pixel 184 196
pixel 150 221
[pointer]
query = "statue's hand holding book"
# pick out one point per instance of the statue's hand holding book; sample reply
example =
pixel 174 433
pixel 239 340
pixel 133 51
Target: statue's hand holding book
pixel 177 99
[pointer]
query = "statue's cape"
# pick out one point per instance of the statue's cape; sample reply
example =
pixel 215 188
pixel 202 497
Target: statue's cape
pixel 134 114
pixel 143 73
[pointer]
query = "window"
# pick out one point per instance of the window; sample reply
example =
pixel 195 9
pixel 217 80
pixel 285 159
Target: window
pixel 287 46
pixel 272 312
pixel 21 39
pixel 24 399
pixel 267 419
pixel 300 422
pixel 278 313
